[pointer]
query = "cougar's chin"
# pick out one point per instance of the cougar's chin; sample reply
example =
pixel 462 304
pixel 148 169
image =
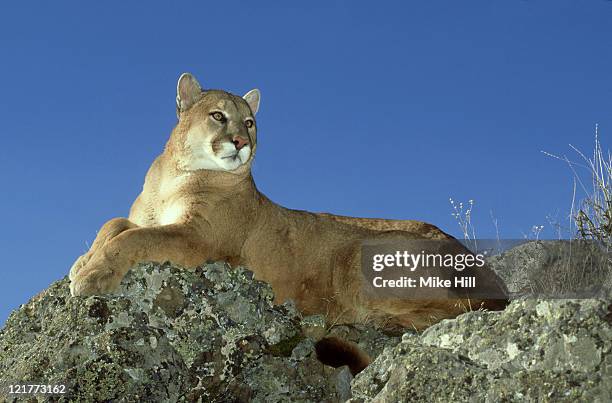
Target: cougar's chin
pixel 233 160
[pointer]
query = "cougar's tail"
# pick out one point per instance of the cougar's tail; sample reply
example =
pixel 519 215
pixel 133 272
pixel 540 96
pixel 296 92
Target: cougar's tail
pixel 336 352
pixel 496 304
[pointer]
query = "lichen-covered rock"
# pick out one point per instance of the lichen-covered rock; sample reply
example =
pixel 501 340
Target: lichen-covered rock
pixel 411 372
pixel 535 350
pixel 556 269
pixel 169 334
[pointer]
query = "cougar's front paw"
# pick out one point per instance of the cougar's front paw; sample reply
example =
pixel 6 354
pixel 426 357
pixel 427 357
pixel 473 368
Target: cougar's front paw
pixel 79 264
pixel 94 280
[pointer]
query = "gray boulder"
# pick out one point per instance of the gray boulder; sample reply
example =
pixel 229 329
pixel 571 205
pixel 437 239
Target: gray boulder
pixel 169 335
pixel 535 350
pixel 556 269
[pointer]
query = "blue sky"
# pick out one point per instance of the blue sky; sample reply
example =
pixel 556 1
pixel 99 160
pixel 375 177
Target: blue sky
pixel 381 109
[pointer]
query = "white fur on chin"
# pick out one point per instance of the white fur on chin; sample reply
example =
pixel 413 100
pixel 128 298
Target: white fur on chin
pixel 201 156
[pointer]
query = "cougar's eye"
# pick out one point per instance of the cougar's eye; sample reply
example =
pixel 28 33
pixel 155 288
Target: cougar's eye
pixel 249 123
pixel 218 116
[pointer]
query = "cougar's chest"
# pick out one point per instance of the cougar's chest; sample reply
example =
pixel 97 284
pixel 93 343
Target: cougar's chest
pixel 171 205
pixel 171 213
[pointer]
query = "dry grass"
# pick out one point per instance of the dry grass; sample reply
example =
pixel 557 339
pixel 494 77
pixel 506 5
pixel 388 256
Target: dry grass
pixel 592 218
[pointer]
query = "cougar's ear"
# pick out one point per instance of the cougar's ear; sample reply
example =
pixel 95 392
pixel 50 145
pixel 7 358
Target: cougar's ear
pixel 252 98
pixel 188 92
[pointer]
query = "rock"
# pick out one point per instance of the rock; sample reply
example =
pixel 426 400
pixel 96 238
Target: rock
pixel 555 269
pixel 535 350
pixel 169 334
pixel 411 372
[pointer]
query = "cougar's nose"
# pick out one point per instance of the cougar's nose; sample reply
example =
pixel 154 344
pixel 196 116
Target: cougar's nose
pixel 239 142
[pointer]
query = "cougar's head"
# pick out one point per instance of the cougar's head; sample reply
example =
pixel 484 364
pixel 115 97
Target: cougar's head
pixel 216 130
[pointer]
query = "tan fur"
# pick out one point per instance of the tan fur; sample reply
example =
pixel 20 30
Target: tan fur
pixel 188 214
